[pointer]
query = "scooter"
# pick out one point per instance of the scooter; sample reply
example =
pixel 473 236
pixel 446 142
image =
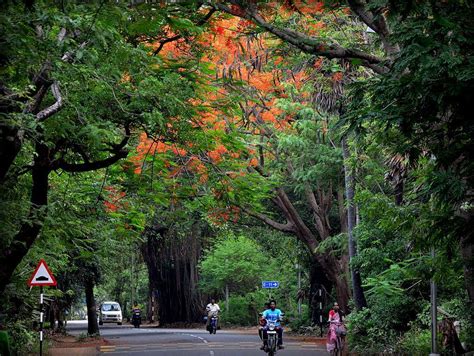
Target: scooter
pixel 213 324
pixel 136 318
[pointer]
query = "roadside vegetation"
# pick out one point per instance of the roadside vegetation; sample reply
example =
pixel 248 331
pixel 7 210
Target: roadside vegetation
pixel 169 153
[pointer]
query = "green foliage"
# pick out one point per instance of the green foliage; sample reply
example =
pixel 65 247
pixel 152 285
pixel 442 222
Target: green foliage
pixel 4 343
pixel 235 262
pixel 415 342
pixel 273 257
pixel 395 265
pixel 314 161
pixel 24 339
pixel 244 309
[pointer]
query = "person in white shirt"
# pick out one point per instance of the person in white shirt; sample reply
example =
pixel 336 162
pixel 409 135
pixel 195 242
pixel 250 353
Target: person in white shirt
pixel 212 309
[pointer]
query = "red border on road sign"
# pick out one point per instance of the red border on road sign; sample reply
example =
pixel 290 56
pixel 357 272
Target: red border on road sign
pixel 39 284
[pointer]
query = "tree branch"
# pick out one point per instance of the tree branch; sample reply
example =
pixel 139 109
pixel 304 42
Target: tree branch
pixel 177 37
pixel 53 109
pixel 91 166
pixel 376 22
pixel 119 153
pixel 288 227
pixel 307 44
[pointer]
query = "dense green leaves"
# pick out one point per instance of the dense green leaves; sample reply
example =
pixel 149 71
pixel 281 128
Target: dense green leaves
pixel 236 262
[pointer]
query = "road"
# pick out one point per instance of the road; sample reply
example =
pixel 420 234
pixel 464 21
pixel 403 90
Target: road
pixel 126 340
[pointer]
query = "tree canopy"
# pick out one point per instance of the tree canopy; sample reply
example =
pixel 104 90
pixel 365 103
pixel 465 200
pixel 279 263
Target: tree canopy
pixel 202 137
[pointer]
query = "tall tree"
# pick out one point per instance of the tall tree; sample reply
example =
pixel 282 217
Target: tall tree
pixel 74 92
pixel 424 85
pixel 358 292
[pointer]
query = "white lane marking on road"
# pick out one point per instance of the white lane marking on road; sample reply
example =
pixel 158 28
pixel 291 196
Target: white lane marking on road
pixel 198 337
pixel 203 340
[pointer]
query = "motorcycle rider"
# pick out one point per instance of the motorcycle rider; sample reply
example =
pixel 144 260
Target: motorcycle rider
pixel 273 315
pixel 211 309
pixel 136 315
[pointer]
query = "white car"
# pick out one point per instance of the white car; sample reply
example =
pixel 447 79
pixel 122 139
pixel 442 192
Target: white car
pixel 110 312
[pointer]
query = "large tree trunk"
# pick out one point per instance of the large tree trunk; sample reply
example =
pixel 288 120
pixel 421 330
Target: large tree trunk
pixel 153 304
pixel 359 297
pixel 92 325
pixel 336 272
pixel 150 252
pixel 12 255
pixel 10 145
pixel 318 281
pixel 334 268
pixel 172 268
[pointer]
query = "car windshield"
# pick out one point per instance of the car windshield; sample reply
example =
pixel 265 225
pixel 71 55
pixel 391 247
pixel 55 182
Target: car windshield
pixel 110 307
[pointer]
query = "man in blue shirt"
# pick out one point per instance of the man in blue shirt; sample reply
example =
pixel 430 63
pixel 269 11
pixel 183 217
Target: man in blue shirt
pixel 273 315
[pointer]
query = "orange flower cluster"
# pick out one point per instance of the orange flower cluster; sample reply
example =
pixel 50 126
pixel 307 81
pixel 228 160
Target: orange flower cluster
pixel 216 154
pixel 337 77
pixel 234 55
pixel 113 199
pixel 148 148
pixel 219 216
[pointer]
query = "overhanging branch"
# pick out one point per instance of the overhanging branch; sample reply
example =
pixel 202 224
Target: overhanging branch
pixel 288 227
pixel 53 109
pixel 118 151
pixel 177 37
pixel 90 166
pixel 307 44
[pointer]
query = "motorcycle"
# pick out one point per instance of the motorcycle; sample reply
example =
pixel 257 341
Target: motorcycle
pixel 136 318
pixel 213 324
pixel 272 339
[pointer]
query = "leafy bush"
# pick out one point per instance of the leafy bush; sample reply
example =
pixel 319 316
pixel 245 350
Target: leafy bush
pixel 415 342
pixel 243 310
pixel 366 334
pixel 23 339
pixel 236 262
pixel 302 323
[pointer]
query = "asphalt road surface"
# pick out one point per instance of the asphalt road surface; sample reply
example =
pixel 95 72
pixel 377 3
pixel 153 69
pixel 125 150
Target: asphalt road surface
pixel 126 340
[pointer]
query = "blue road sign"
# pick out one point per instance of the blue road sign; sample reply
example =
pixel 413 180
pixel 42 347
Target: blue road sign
pixel 270 284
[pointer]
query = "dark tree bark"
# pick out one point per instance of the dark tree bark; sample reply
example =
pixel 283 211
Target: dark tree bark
pixel 320 203
pixel 10 145
pixel 358 291
pixel 150 252
pixel 172 268
pixel 92 325
pixel 318 280
pixel 13 254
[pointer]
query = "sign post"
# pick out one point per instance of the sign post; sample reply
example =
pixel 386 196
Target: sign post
pixel 41 277
pixel 270 285
pixel 320 311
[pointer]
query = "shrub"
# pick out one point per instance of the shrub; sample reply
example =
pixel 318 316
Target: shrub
pixel 23 339
pixel 415 342
pixel 242 311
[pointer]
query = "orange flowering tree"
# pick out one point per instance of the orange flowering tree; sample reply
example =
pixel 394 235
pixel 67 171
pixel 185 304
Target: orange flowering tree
pixel 258 134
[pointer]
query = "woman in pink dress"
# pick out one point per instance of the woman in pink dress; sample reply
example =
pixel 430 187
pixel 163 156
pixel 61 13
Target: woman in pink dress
pixel 335 320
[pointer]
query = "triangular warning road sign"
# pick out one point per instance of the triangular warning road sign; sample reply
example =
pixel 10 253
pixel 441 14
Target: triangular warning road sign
pixel 42 276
